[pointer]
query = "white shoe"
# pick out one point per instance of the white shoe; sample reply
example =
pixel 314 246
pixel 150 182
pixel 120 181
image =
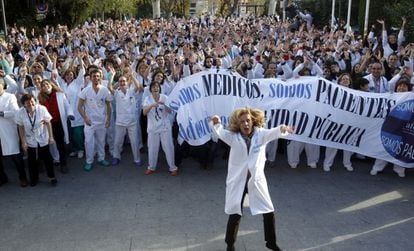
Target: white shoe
pixel 73 154
pixel 373 172
pixel 326 168
pixel 293 166
pixel 313 165
pixel 80 154
pixel 349 168
pixel 399 171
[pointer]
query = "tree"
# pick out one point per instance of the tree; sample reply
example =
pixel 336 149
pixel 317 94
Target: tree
pixel 144 9
pixel 228 7
pixel 390 10
pixel 168 7
pixel 398 9
pixel 175 7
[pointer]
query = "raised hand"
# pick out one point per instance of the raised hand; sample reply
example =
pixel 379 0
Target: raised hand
pixel 215 119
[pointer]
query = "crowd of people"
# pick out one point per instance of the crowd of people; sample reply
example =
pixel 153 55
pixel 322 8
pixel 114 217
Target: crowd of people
pixel 72 92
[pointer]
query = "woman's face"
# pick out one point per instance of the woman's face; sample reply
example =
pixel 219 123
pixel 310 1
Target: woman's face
pixel 69 77
pixel 245 124
pixel 160 61
pixel 36 69
pixel 345 81
pixel 357 68
pixel 159 77
pixel 402 88
pixel 37 80
pixel 46 87
pixel 30 105
pixel 155 88
pixel 392 39
pixel 142 68
pixel 126 70
pixel 392 60
pixel 122 82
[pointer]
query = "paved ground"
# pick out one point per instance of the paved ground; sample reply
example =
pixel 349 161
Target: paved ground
pixel 119 208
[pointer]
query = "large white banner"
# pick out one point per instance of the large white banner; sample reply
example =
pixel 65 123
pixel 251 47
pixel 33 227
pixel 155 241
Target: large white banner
pixel 323 113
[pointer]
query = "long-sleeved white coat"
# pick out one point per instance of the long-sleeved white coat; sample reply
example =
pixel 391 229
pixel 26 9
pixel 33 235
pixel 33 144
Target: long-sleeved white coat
pixel 65 110
pixel 8 129
pixel 242 161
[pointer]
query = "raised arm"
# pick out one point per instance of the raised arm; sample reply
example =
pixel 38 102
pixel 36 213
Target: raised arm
pixel 401 36
pixel 219 132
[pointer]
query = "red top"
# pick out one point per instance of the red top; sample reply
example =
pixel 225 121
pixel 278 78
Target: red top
pixel 52 107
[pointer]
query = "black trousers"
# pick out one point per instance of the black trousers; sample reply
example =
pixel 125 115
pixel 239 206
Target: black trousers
pixel 268 224
pixel 17 159
pixel 59 136
pixel 144 124
pixel 43 153
pixel 204 153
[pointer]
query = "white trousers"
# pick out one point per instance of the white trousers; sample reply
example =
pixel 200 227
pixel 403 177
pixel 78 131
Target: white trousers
pixel 120 132
pixel 94 141
pixel 295 148
pixel 330 154
pixel 167 144
pixel 271 149
pixel 379 165
pixel 399 169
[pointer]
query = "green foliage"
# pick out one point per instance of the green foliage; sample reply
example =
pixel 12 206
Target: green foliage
pixel 389 10
pixel 398 9
pixel 73 12
pixel 322 10
pixel 15 15
pixel 224 9
pixel 180 8
pixel 80 11
pixel 144 9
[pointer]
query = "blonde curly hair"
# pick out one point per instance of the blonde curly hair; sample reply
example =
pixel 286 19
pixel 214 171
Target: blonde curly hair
pixel 256 115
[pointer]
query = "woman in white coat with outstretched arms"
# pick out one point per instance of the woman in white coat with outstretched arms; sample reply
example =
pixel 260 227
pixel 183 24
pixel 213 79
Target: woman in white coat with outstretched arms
pixel 247 140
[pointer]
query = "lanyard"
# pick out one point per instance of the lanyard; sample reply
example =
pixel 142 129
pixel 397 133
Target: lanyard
pixel 32 122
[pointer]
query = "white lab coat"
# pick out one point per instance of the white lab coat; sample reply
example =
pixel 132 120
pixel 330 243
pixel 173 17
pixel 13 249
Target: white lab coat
pixel 126 110
pixel 240 162
pixel 65 110
pixel 72 91
pixel 95 103
pixel 38 132
pixel 8 129
pixel 383 83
